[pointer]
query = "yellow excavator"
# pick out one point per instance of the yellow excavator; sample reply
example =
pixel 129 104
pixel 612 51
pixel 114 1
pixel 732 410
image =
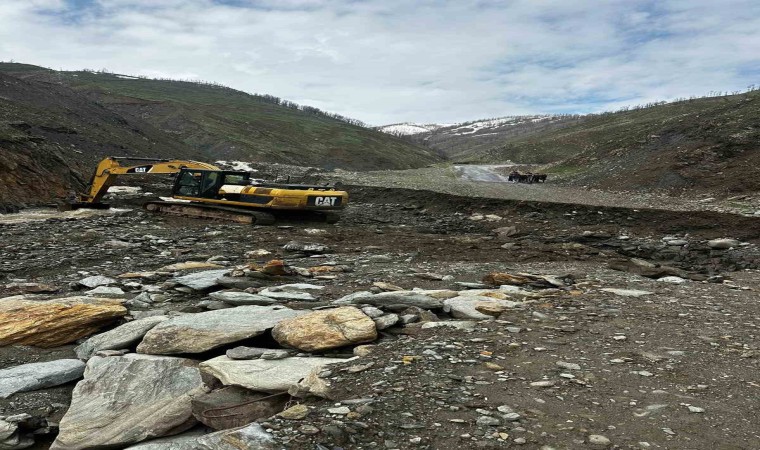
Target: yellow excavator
pixel 206 191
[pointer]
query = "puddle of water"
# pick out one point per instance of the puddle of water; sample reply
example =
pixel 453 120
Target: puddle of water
pixel 41 214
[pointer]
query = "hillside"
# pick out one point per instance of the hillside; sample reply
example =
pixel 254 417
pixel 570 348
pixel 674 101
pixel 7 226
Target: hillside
pixel 461 141
pixel 230 124
pixel 711 144
pixel 55 126
pixel 51 137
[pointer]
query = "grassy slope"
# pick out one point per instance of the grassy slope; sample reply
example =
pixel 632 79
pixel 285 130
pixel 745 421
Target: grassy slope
pixel 230 124
pixel 710 143
pixel 51 137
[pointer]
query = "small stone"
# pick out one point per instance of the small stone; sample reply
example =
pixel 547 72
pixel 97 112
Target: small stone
pixel 363 350
pixel 598 439
pixel 511 417
pixel 569 366
pixel 341 410
pixel 245 352
pixel 308 429
pixel 722 244
pixel 95 281
pixel 296 412
pixel 671 279
pixel 488 421
pixel 543 383
pixel 696 409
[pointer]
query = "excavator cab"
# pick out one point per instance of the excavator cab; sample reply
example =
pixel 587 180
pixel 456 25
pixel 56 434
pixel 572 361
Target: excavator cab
pixel 206 183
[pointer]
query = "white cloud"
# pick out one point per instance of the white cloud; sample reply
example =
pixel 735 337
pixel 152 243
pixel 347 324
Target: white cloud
pixel 386 61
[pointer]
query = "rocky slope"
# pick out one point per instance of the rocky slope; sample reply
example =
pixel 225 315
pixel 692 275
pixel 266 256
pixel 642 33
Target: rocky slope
pixel 439 322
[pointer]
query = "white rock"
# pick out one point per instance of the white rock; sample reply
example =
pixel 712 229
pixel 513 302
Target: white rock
pixel 722 244
pixel 95 281
pixel 671 279
pixel 109 291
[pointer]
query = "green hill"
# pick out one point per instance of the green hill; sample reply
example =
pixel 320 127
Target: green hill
pixel 55 126
pixel 228 124
pixel 710 143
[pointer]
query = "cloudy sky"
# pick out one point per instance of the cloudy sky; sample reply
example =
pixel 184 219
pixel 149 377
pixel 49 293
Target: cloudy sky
pixel 387 61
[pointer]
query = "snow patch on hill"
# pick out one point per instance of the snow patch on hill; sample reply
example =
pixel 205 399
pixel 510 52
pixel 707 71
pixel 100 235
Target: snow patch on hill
pixel 236 165
pixel 462 128
pixel 499 122
pixel 406 129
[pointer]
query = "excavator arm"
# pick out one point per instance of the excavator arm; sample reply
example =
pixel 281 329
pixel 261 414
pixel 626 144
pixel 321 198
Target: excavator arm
pixel 110 168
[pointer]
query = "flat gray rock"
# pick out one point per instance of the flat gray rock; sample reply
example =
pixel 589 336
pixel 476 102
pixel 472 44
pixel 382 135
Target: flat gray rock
pixel 200 281
pixel 177 442
pixel 467 307
pixel 238 298
pixel 409 298
pixel 123 336
pixel 263 375
pixel 287 295
pixel 250 437
pixel 627 292
pixel 200 332
pixel 30 377
pixel 125 400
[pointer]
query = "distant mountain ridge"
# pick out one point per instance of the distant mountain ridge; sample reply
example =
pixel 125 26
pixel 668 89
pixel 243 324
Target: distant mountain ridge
pixel 459 141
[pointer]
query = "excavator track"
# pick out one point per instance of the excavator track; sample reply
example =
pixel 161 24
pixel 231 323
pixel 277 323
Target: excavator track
pixel 212 212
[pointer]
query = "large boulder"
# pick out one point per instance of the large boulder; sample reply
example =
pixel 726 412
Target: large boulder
pixel 124 400
pixel 30 377
pixel 276 375
pixel 56 322
pixel 196 333
pixel 123 336
pixel 323 330
pixel 250 437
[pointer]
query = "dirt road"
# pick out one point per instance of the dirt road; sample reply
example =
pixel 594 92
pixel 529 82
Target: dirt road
pixel 481 173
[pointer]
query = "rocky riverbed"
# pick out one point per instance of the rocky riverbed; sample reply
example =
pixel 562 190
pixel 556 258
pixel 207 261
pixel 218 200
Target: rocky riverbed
pixel 421 320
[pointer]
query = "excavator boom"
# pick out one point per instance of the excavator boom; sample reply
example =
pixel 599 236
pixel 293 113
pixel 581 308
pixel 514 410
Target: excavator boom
pixel 111 168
